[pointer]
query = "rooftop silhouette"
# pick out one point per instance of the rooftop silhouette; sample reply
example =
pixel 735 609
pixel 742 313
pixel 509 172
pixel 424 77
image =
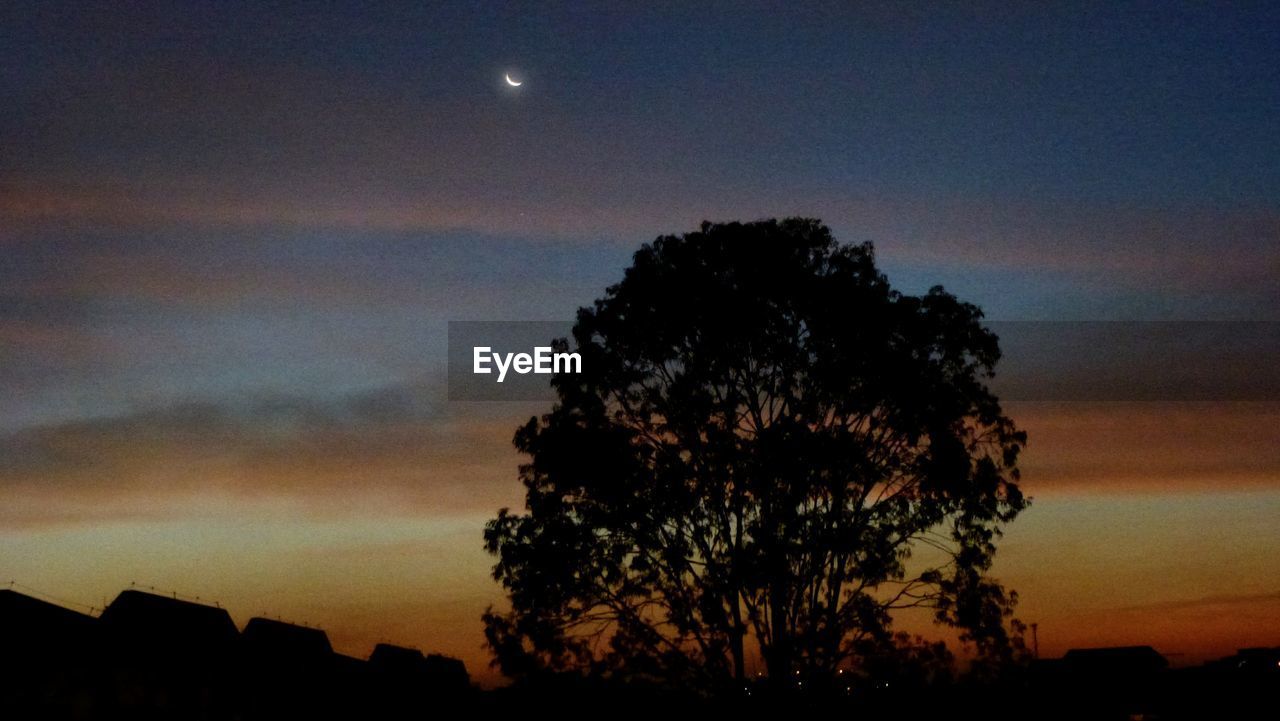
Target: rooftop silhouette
pixel 279 639
pixel 154 656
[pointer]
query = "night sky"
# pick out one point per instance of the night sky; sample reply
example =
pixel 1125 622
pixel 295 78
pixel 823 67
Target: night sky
pixel 231 236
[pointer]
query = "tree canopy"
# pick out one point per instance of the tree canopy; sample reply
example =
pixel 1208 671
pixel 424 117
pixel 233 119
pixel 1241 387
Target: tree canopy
pixel 769 451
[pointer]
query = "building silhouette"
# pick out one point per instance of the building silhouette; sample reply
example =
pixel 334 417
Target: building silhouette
pixel 151 656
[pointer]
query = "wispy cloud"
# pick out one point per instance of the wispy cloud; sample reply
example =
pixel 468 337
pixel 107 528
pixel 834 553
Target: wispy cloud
pixel 1219 601
pixel 1151 447
pixel 394 447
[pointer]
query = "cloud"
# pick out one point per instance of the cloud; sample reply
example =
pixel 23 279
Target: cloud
pixel 1200 254
pixel 395 447
pixel 66 274
pixel 402 447
pixel 1217 602
pixel 1163 361
pixel 1149 447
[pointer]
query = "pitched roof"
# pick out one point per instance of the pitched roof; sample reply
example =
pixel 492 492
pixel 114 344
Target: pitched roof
pixel 1116 658
pixel 396 658
pixel 150 619
pixel 280 639
pixel 28 623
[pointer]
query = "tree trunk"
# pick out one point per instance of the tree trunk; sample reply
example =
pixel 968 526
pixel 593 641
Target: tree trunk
pixel 736 643
pixel 778 655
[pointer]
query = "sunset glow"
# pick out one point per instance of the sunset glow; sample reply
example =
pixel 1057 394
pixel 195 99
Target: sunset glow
pixel 229 252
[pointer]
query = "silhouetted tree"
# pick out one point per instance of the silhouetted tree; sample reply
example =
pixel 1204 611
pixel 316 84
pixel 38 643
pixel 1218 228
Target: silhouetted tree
pixel 767 446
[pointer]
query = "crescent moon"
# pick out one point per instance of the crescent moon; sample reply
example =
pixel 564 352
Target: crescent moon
pixel 513 83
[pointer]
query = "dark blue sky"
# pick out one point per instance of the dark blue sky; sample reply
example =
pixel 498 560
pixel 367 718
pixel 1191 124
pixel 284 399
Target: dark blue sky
pixel 1145 103
pixel 207 176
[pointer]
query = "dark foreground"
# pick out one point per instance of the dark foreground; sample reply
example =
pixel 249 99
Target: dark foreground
pixel 155 657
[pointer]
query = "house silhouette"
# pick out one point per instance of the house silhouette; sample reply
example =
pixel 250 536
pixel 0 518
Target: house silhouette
pixel 150 622
pixel 405 678
pixel 154 656
pixel 33 625
pixel 274 639
pixel 48 663
pixel 1115 660
pixel 291 671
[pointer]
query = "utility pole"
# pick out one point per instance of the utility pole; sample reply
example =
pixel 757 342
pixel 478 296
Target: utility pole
pixel 1035 641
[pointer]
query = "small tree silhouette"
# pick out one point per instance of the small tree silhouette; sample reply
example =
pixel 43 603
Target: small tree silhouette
pixel 763 435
